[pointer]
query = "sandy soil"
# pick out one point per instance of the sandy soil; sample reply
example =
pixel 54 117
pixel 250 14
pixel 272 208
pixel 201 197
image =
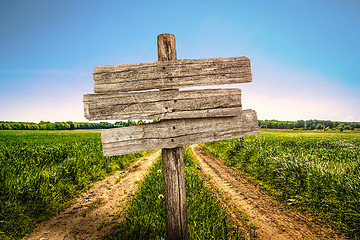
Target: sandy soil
pixel 96 210
pixel 252 208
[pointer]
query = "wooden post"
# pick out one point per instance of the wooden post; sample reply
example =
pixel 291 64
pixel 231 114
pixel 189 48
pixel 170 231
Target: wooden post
pixel 173 165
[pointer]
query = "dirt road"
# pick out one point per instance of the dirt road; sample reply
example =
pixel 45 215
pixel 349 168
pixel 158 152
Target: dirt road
pixel 252 209
pixel 96 210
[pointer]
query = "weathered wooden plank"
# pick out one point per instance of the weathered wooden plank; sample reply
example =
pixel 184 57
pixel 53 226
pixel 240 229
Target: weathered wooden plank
pixel 156 105
pixel 171 74
pixel 177 133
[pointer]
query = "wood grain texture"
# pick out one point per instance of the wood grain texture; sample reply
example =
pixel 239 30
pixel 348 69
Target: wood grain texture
pixel 156 105
pixel 177 133
pixel 166 47
pixel 175 194
pixel 171 74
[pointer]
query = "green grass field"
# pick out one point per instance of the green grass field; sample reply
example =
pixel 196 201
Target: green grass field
pixel 315 171
pixel 42 171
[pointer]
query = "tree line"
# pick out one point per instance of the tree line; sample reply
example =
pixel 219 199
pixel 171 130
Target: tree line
pixel 309 124
pixel 271 124
pixel 42 125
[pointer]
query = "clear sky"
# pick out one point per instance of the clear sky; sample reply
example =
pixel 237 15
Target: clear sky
pixel 304 54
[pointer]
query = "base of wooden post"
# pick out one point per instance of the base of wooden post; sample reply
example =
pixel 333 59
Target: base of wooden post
pixel 174 193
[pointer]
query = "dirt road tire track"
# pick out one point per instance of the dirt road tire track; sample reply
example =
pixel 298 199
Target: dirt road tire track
pixel 272 219
pixel 96 210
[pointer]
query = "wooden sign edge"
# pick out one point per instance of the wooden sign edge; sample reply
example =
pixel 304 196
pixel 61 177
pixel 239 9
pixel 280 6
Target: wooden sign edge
pixel 104 68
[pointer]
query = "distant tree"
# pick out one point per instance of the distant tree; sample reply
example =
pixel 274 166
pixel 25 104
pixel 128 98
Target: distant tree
pixel 49 126
pixel 329 124
pixel 61 126
pixel 119 124
pixel 309 124
pixel 140 122
pixel 106 125
pixel 6 126
pixel 131 123
pixel 15 125
pixel 71 124
pixel 24 126
pixel 355 124
pixel 336 124
pixel 42 126
pixel 300 124
pixel 34 126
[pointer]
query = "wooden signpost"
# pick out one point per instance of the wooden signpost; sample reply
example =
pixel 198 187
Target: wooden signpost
pixel 122 92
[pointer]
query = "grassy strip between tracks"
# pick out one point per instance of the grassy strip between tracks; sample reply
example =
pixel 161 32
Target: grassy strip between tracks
pixel 145 217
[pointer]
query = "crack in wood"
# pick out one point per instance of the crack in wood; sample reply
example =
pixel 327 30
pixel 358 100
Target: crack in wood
pixel 108 78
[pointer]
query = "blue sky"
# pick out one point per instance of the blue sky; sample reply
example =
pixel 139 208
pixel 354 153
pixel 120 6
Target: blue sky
pixel 304 54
